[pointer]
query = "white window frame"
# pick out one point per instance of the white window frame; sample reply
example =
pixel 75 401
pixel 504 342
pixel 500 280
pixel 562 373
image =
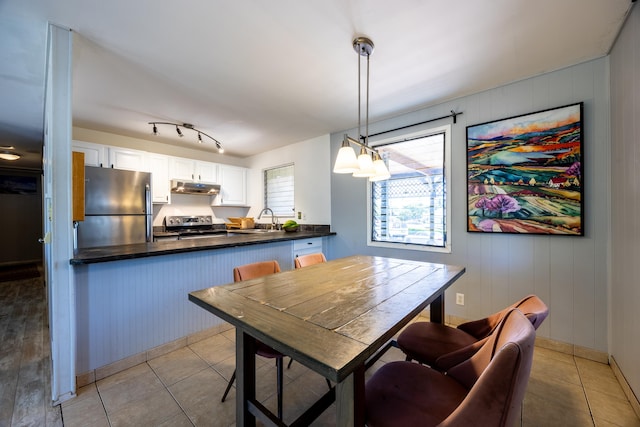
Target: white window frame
pixel 446 129
pixel 279 214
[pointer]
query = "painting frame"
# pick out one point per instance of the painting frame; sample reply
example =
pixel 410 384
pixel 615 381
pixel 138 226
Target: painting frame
pixel 525 173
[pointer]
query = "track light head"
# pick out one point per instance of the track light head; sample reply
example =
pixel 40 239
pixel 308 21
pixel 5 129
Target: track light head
pixel 188 126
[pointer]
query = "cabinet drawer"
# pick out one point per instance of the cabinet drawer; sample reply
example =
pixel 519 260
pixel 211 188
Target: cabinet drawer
pixel 307 246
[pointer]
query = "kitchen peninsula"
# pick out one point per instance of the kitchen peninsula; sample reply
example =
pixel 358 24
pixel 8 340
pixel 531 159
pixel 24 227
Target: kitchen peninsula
pixel 131 300
pixel 229 240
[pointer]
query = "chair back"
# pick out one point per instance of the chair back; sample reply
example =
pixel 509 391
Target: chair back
pixel 254 270
pixel 496 376
pixel 310 259
pixel 531 306
pixel 534 308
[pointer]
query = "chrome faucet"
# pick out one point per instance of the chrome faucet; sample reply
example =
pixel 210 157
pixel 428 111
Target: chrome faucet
pixel 274 224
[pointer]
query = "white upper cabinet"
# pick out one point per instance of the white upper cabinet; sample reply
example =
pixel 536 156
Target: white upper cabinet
pixel 233 186
pixel 124 158
pixel 94 154
pixel 206 172
pixel 160 181
pixel 105 156
pixel 193 170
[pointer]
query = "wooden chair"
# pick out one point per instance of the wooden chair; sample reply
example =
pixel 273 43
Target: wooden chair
pixel 484 390
pixel 310 259
pixel 252 271
pixel 442 347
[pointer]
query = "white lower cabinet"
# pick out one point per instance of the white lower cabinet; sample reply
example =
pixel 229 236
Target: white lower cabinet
pixel 307 246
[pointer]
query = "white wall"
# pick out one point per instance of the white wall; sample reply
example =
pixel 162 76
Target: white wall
pixel 311 159
pixel 625 200
pixel 568 273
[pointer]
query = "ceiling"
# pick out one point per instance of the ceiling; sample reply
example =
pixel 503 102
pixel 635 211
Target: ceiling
pixel 258 74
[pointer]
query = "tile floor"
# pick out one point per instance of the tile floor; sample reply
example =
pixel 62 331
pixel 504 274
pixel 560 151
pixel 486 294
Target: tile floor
pixel 183 388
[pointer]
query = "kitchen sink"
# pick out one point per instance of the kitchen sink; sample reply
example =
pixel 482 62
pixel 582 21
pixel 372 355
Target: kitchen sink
pixel 253 231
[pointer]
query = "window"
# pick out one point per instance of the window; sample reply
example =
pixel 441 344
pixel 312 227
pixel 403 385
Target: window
pixel 278 190
pixel 411 210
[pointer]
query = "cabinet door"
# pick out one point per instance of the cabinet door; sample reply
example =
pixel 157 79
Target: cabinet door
pixel 123 158
pixel 233 186
pixel 160 182
pixel 206 172
pixel 180 168
pixel 307 246
pixel 94 154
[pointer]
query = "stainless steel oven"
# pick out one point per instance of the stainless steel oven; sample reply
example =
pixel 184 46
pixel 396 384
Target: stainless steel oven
pixel 193 227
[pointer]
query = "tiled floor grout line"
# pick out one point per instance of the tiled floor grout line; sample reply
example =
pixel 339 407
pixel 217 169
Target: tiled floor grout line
pixel 166 387
pixel 584 391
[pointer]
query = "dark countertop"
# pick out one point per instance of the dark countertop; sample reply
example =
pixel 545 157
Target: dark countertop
pixel 143 250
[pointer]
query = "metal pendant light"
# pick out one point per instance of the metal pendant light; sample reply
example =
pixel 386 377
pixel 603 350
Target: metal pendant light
pixel 368 164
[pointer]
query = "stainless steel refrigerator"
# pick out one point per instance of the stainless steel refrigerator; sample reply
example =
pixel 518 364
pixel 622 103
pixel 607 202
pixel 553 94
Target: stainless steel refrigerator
pixel 117 208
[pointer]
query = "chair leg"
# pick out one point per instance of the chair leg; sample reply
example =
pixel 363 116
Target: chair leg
pixel 328 383
pixel 233 378
pixel 279 385
pixel 290 362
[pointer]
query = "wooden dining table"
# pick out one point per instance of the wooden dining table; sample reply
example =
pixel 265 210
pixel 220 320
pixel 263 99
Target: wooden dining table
pixel 331 317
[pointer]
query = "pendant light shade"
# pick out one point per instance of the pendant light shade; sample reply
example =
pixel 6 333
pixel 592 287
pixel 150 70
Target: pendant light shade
pixel 346 162
pixel 382 172
pixel 365 164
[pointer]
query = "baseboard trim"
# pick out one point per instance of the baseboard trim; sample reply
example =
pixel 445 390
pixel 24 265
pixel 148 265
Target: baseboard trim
pixel 102 372
pixel 628 391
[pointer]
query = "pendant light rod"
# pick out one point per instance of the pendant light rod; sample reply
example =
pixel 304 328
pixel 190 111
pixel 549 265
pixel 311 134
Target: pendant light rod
pixel 190 127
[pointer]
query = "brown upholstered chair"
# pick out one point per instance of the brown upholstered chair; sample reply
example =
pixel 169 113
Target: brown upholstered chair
pixel 484 390
pixel 310 259
pixel 256 269
pixel 252 271
pixel 441 346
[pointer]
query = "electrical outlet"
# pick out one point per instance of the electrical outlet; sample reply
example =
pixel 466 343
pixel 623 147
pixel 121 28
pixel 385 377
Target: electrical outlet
pixel 460 299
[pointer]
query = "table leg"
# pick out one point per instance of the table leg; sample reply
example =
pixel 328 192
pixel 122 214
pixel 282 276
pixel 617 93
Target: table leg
pixel 245 378
pixel 350 400
pixel 436 309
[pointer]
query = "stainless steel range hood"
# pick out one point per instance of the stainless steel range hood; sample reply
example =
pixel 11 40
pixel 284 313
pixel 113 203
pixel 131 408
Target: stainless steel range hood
pixel 190 187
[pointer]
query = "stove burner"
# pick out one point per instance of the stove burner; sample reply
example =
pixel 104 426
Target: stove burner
pixel 192 225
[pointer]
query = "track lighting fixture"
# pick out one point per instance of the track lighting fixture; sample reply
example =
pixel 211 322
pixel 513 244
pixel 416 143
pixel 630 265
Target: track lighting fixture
pixel 369 163
pixel 188 126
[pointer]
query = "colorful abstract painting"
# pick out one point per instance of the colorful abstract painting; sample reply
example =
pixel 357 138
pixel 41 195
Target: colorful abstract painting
pixel 524 174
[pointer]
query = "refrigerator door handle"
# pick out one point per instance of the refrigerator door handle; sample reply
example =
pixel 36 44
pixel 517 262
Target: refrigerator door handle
pixel 149 212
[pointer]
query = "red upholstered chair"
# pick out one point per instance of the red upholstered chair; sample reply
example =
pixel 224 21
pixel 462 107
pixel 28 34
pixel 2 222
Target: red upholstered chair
pixel 307 260
pixel 252 271
pixel 484 390
pixel 441 346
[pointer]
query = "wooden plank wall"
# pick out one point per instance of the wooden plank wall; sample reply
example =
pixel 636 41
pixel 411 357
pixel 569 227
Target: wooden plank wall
pixel 569 273
pixel 130 306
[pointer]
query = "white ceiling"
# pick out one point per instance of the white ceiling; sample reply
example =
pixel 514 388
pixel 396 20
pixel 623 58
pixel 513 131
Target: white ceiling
pixel 259 74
